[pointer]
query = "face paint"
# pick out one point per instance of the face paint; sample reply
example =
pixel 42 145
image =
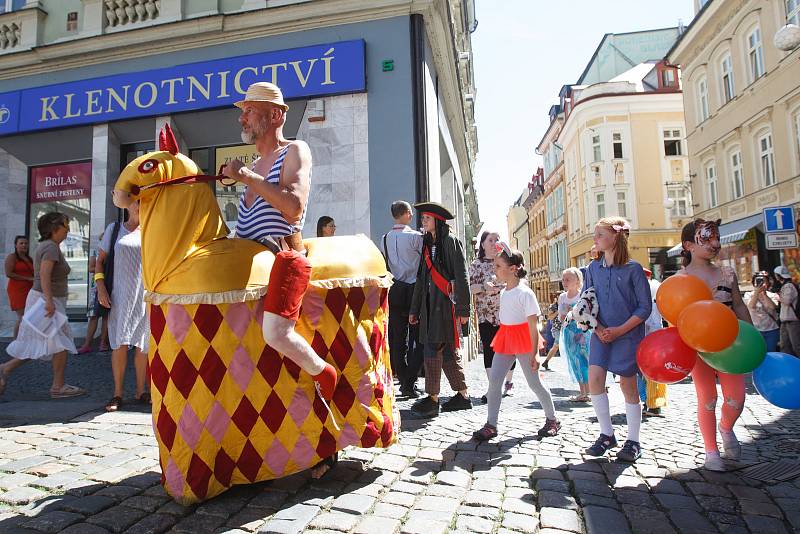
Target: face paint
pixel 706 235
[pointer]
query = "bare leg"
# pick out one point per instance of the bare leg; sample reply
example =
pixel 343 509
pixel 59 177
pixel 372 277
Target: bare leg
pixel 119 360
pixel 20 313
pixel 140 363
pixel 8 367
pixel 91 328
pixel 59 365
pixel 279 333
pixel 104 333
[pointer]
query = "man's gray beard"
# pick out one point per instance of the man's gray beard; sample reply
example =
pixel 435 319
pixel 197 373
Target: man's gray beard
pixel 248 138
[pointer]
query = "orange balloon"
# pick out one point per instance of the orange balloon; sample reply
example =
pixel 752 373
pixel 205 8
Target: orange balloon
pixel 708 326
pixel 677 292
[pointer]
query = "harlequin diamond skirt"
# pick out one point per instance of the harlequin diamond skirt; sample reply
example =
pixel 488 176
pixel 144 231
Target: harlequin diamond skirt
pixel 228 409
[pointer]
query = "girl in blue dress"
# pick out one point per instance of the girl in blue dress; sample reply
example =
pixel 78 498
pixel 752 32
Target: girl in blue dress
pixel 624 304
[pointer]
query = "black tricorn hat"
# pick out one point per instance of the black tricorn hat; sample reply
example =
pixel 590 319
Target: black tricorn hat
pixel 435 210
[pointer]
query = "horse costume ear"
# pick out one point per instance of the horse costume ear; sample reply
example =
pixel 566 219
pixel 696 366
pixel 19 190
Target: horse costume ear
pixel 166 140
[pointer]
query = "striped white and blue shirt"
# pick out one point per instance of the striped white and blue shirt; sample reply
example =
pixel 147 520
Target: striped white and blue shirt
pixel 261 219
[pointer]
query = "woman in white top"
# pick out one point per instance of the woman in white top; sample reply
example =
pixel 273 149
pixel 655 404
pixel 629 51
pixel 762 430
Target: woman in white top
pixel 127 321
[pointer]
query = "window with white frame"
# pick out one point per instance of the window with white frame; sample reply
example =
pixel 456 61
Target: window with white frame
pixel 737 175
pixel 793 12
pixel 680 203
pixel 702 95
pixel 672 143
pixel 767 159
pixel 600 202
pixel 797 133
pixel 7 6
pixel 755 54
pixel 622 204
pixel 668 78
pixel 616 144
pixel 597 154
pixel 728 88
pixel 711 180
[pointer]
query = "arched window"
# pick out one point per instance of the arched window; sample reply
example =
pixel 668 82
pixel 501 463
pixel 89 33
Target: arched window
pixel 702 99
pixel 737 173
pixel 766 157
pixel 727 86
pixel 711 181
pixel 755 54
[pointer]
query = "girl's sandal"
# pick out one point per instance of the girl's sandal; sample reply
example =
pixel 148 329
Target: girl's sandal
pixel 144 398
pixel 486 433
pixel 580 398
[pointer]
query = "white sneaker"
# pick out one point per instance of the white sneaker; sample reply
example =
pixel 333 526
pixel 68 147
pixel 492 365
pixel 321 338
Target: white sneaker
pixel 730 445
pixel 714 462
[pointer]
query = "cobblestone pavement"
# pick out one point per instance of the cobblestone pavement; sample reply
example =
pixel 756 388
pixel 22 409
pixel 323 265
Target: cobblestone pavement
pixel 98 473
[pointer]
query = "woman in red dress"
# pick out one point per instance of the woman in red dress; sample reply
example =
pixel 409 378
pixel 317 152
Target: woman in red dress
pixel 19 270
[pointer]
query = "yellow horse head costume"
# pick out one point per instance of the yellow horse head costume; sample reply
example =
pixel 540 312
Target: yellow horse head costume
pixel 227 408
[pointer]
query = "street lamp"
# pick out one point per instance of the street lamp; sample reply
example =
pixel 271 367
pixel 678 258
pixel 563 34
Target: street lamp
pixel 787 38
pixel 686 185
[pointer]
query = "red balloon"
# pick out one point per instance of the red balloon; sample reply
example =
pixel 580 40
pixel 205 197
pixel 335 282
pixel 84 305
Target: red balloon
pixel 664 357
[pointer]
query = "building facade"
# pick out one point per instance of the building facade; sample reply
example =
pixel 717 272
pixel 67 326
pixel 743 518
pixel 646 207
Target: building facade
pixel 383 92
pixel 742 102
pixel 625 155
pixel 554 200
pixel 539 271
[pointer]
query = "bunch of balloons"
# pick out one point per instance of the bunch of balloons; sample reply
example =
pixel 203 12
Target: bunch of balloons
pixel 709 330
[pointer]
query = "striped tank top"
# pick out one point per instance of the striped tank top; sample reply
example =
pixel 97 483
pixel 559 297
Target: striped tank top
pixel 261 219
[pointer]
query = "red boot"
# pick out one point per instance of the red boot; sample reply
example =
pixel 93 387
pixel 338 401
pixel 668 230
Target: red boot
pixel 327 381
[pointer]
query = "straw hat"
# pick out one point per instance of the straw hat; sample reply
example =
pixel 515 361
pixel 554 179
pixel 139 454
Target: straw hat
pixel 263 92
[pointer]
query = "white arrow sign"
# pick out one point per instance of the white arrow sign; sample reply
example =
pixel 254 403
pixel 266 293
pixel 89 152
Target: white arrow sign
pixel 779 219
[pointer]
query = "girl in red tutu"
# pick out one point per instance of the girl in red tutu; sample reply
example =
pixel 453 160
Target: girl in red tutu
pixel 517 339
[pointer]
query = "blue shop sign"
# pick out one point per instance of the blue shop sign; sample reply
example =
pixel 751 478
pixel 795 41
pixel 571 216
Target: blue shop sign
pixel 312 71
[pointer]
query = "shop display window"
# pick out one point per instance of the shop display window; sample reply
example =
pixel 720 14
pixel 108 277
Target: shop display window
pixel 66 188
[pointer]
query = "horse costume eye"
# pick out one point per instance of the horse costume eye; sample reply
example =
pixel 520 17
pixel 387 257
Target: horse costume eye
pixel 148 165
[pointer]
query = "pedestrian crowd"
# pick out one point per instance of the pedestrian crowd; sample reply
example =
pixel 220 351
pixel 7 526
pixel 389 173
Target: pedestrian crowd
pixel 596 324
pixel 432 296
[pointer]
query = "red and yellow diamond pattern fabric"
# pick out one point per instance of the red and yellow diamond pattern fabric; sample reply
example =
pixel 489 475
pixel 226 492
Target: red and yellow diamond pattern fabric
pixel 227 409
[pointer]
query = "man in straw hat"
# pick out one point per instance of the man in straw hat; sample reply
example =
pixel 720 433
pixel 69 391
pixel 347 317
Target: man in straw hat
pixel 273 205
pixel 272 211
pixel 441 305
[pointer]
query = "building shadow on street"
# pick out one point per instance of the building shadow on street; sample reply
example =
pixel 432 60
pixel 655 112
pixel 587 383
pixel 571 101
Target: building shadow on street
pixel 139 503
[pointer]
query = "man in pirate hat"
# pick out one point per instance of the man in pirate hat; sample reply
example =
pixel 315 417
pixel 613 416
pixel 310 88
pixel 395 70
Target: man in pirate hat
pixel 440 305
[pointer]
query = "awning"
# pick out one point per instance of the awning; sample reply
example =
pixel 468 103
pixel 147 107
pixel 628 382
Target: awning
pixel 728 232
pixel 675 251
pixel 736 230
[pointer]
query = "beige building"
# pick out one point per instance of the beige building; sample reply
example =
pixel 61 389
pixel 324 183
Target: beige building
pixel 539 271
pixel 742 102
pixel 624 154
pixel 555 230
pixel 383 92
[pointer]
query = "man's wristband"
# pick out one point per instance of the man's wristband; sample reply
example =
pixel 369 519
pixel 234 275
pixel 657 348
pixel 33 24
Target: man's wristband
pixel 99 276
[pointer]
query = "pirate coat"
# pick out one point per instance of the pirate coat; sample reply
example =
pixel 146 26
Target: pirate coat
pixel 433 308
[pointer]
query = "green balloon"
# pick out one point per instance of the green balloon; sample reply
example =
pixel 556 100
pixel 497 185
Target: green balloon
pixel 746 353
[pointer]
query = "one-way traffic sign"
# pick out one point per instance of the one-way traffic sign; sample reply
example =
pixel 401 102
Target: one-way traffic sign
pixel 780 219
